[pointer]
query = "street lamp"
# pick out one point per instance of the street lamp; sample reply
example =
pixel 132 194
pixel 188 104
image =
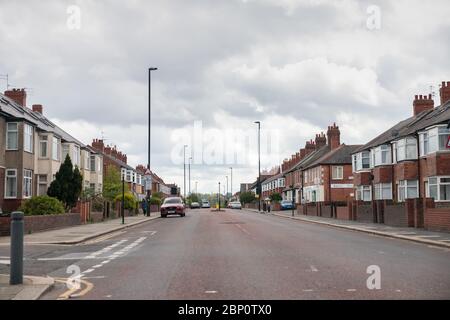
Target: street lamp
pixel 231 184
pixel 258 185
pixel 123 195
pixel 190 160
pixel 218 195
pixel 149 119
pixel 184 169
pixel 226 194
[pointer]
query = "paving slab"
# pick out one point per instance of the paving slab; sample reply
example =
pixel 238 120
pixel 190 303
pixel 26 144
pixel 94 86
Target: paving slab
pixel 31 289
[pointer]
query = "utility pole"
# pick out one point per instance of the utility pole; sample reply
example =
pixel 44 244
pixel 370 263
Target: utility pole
pixel 190 159
pixel 231 184
pixel 184 171
pixel 218 195
pixel 149 192
pixel 258 185
pixel 226 194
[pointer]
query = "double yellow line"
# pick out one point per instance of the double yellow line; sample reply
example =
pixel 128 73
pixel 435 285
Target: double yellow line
pixel 75 292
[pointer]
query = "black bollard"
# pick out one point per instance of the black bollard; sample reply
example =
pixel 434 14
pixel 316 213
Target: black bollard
pixel 16 267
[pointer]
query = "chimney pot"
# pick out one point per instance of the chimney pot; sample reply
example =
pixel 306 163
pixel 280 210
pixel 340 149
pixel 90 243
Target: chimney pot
pixel 38 108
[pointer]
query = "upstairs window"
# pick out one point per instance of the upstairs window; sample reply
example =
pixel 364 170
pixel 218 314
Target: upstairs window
pixel 438 138
pixel 28 138
pixel 12 136
pixel 93 163
pixel 381 155
pixel 338 172
pixel 361 161
pixel 405 149
pixel 43 147
pixel 55 149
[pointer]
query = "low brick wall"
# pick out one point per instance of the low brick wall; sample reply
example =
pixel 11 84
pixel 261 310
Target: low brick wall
pixel 343 213
pixel 326 211
pixel 154 208
pixel 311 209
pixel 364 213
pixel 395 215
pixel 437 219
pixel 41 223
pixel 96 217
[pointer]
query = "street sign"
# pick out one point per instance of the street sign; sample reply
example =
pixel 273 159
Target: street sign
pixel 148 180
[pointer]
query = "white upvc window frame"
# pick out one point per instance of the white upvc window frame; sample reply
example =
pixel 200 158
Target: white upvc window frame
pixel 337 172
pixel 403 147
pixel 76 155
pixel 383 191
pixel 56 147
pixel 11 131
pixel 364 193
pixel 10 176
pixel 437 182
pixel 28 131
pixel 358 160
pixel 27 187
pixel 403 187
pixel 435 142
pixel 380 152
pixel 93 162
pixel 43 140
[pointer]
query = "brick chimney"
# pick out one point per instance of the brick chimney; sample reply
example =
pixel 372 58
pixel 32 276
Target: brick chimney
pixel 334 136
pixel 18 95
pixel 310 146
pixel 321 140
pixel 445 92
pixel 37 108
pixel 422 103
pixel 108 150
pixel 98 145
pixel 302 153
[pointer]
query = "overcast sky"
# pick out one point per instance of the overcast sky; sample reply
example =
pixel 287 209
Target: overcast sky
pixel 295 65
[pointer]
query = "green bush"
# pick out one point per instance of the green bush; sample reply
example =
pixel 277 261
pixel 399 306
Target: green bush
pixel 276 197
pixel 130 202
pixel 155 200
pixel 41 205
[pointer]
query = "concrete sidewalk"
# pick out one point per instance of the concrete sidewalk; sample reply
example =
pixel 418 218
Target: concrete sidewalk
pixel 440 239
pixel 31 289
pixel 81 233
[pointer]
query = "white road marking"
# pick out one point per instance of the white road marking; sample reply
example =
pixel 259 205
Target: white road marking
pixel 308 290
pixel 97 266
pixel 210 291
pixel 351 290
pixel 398 290
pixel 88 271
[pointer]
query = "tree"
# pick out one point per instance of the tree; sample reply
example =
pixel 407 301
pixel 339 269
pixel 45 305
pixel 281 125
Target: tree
pixel 112 183
pixel 130 201
pixel 193 198
pixel 276 197
pixel 247 197
pixel 67 184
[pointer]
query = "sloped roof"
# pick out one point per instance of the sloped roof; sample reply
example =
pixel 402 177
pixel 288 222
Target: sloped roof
pixel 423 120
pixel 310 158
pixel 340 155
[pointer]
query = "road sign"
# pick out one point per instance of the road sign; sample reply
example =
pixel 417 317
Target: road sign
pixel 148 180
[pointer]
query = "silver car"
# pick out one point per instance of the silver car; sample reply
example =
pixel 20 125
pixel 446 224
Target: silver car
pixel 235 205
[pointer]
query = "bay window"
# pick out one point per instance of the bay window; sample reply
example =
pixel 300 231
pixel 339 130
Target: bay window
pixel 27 183
pixel 11 184
pixel 28 138
pixel 439 188
pixel 364 193
pixel 361 161
pixel 12 136
pixel 55 149
pixel 408 189
pixel 43 146
pixel 76 156
pixel 383 191
pixel 381 155
pixel 405 149
pixel 93 168
pixel 434 139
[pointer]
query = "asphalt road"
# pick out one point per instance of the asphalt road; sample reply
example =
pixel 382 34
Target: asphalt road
pixel 242 255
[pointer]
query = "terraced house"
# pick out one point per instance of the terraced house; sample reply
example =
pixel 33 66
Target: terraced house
pixel 32 149
pixel 410 161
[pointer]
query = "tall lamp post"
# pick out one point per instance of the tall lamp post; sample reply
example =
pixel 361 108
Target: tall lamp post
pixel 190 160
pixel 231 183
pixel 226 194
pixel 123 196
pixel 149 124
pixel 258 185
pixel 184 170
pixel 218 195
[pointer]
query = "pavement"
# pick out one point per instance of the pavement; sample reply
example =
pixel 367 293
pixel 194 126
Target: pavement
pixel 441 239
pixel 237 254
pixel 31 289
pixel 81 233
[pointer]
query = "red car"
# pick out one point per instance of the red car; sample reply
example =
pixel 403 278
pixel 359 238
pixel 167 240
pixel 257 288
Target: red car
pixel 173 205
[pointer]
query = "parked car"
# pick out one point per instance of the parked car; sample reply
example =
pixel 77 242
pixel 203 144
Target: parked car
pixel 287 205
pixel 205 204
pixel 172 206
pixel 235 205
pixel 195 205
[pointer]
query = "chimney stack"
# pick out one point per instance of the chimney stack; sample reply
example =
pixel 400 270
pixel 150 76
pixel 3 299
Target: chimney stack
pixel 445 92
pixel 422 103
pixel 37 108
pixel 334 136
pixel 98 145
pixel 321 140
pixel 18 95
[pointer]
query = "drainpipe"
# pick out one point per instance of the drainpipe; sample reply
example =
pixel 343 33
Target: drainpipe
pixel 418 166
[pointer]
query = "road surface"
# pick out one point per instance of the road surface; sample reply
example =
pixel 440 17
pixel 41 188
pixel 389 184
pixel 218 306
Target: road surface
pixel 241 255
